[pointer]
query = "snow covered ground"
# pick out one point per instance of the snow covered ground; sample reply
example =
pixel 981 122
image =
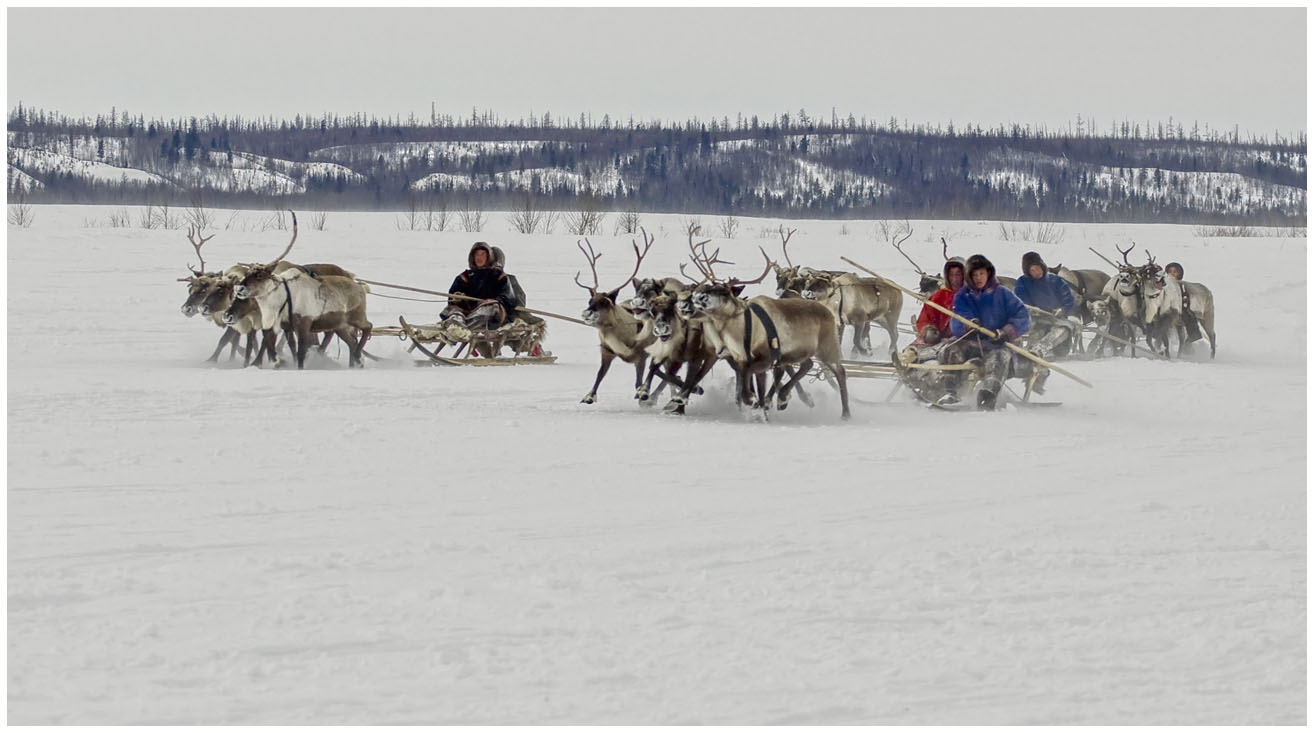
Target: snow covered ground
pixel 200 544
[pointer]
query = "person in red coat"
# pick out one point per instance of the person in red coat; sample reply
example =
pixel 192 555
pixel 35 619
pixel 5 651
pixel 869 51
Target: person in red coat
pixel 933 336
pixel 932 324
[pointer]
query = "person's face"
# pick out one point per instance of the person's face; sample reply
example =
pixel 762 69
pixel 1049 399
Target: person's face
pixel 1036 272
pixel 955 278
pixel 1175 272
pixel 980 277
pixel 480 258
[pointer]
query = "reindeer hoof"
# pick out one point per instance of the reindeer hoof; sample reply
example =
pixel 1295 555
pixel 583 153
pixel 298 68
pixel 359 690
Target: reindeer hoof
pixel 782 404
pixel 588 399
pixel 641 395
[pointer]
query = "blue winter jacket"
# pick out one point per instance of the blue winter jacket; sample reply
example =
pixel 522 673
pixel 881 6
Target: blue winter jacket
pixel 994 306
pixel 1047 293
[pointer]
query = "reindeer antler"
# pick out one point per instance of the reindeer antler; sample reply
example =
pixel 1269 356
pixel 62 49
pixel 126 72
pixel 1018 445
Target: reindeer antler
pixel 593 265
pixel 1125 252
pixel 760 278
pixel 784 243
pixel 192 232
pixel 898 246
pixel 638 257
pixel 945 251
pixel 289 244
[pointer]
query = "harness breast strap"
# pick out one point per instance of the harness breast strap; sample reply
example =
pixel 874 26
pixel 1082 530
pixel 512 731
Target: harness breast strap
pixel 773 338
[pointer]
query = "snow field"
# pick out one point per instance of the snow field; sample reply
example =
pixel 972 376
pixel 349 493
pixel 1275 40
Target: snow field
pixel 201 544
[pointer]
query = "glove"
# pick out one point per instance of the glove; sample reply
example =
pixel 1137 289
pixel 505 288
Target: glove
pixel 1003 335
pixel 1059 311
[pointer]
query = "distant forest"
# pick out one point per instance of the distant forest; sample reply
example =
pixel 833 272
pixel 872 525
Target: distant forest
pixel 791 165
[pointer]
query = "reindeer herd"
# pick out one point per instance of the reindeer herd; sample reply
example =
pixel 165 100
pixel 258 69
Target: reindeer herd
pixel 691 322
pixel 265 298
pixel 1150 301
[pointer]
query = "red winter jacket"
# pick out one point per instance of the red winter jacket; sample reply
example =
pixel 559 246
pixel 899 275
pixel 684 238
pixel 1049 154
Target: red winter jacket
pixel 932 317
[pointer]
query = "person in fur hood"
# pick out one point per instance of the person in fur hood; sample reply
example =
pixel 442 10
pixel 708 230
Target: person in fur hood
pixel 486 281
pixel 1051 334
pixel 983 300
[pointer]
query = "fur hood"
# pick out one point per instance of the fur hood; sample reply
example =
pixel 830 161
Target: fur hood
pixel 953 262
pixel 492 257
pixel 1029 259
pixel 979 262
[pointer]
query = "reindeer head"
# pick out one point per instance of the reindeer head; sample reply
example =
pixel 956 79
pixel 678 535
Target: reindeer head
pixel 260 278
pixel 720 297
pixel 818 285
pixel 198 287
pixel 602 304
pixel 219 297
pixel 666 322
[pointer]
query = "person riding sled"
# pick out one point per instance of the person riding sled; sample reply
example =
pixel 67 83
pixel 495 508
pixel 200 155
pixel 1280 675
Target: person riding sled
pixel 1189 320
pixel 492 300
pixel 988 304
pixel 1051 334
pixel 933 335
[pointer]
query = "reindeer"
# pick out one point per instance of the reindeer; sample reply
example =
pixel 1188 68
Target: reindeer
pixel 1161 299
pixel 805 330
pixel 200 286
pixel 620 334
pixel 679 340
pixel 1122 298
pixel 857 301
pixel 314 303
pixel 1086 285
pixel 1199 301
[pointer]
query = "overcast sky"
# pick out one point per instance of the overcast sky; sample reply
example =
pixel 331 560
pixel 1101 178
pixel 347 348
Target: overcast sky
pixel 1223 67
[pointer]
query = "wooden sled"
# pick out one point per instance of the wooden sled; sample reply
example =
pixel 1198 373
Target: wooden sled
pixel 524 338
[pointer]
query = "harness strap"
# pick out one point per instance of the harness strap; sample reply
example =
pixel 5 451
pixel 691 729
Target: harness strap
pixel 773 338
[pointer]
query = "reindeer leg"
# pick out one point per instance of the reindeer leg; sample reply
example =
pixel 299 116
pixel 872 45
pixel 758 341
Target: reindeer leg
pixel 303 339
pixel 353 346
pixel 607 357
pixel 223 341
pixel 323 344
pixel 250 343
pixel 644 393
pixel 782 401
pixel 640 389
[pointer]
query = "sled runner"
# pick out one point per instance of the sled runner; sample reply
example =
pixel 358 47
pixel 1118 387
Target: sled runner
pixel 482 348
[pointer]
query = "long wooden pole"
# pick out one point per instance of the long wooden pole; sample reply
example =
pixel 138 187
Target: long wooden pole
pixel 982 329
pixel 467 297
pixel 1106 259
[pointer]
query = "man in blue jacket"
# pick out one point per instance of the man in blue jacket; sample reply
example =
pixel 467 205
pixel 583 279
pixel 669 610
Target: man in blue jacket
pixel 1042 289
pixel 983 300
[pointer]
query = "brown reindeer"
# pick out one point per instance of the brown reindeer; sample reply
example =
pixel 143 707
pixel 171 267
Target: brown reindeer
pixel 312 302
pixel 678 341
pixel 857 301
pixel 620 334
pixel 804 330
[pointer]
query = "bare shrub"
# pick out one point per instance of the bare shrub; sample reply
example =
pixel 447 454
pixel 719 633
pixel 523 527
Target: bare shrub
pixel 693 226
pixel 472 215
pixel 1238 230
pixel 844 230
pixel 146 219
pixel 526 214
pixel 119 219
pixel 729 227
pixel 410 219
pixel 890 232
pixel 587 217
pixel 232 221
pixel 1049 233
pixel 318 219
pixel 196 216
pixel 436 216
pixel 627 222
